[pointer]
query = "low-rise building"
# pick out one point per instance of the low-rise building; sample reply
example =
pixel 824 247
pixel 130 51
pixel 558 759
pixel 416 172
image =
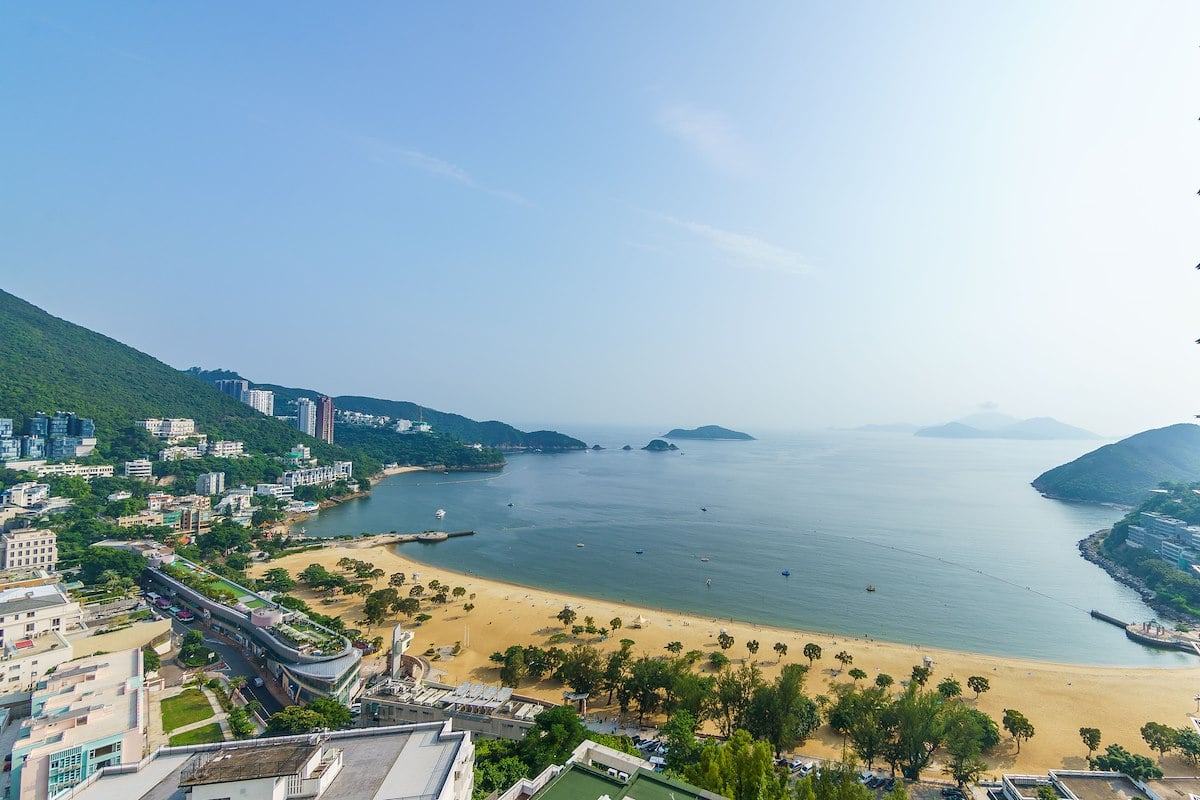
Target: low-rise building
pixel 25 494
pixel 178 453
pixel 277 490
pixel 32 548
pixel 429 762
pixel 145 518
pixel 72 469
pixel 171 430
pixel 88 715
pixel 155 553
pixel 596 771
pixel 28 612
pixel 140 469
pixel 224 449
pixel 491 711
pixel 319 476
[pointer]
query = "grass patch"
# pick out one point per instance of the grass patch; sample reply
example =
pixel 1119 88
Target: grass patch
pixel 184 709
pixel 205 734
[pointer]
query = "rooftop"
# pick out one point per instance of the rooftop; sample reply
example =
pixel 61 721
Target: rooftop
pixel 247 763
pixel 578 781
pixel 409 761
pixel 1101 787
pixel 30 598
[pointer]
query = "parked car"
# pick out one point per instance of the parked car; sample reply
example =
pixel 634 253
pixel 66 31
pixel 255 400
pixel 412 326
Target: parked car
pixel 183 615
pixel 258 682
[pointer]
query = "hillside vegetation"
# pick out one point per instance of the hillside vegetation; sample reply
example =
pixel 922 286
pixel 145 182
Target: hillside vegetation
pixel 1125 471
pixel 54 365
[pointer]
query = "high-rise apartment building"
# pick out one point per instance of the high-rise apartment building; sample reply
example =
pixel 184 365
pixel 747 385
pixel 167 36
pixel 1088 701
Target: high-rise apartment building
pixel 233 388
pixel 325 419
pixel 260 400
pixel 210 483
pixel 306 416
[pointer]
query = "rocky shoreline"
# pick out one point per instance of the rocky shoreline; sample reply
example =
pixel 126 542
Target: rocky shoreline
pixel 1089 548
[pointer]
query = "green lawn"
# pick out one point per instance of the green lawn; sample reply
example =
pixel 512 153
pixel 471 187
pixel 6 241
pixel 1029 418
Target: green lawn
pixel 205 734
pixel 184 709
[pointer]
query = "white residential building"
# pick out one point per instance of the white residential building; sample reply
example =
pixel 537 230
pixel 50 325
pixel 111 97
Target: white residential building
pixel 210 483
pixel 260 400
pixel 29 548
pixel 74 470
pixel 224 449
pixel 32 611
pixel 26 494
pixel 177 453
pixel 318 476
pixel 142 469
pixel 306 416
pixel 169 429
pixel 277 490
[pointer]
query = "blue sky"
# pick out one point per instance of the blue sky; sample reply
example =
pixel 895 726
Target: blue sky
pixel 668 214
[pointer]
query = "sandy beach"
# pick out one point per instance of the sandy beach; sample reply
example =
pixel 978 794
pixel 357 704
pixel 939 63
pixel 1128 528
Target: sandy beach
pixel 1057 698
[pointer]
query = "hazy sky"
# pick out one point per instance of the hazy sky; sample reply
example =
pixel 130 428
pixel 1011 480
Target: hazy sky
pixel 764 215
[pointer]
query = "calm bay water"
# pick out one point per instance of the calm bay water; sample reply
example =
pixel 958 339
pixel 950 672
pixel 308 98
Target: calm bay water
pixel 963 552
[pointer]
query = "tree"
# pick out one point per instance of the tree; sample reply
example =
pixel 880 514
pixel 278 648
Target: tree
pixel 1118 759
pixel 781 713
pixel 416 590
pixel 150 659
pixel 647 677
pixel 379 604
pixel 920 675
pixel 95 561
pixel 674 647
pixel 334 715
pixel 468 607
pixel 949 688
pixel 679 734
pixel 844 658
pixel 717 660
pixel 883 680
pixel 567 617
pixel 277 579
pixel 1187 742
pixel 857 714
pixel 978 684
pixel 457 592
pixel 1091 740
pixel 1045 793
pixel 408 606
pixel 615 623
pixel 740 769
pixel 734 693
pixel 752 646
pixel 555 734
pixel 514 668
pixel 916 729
pixel 724 640
pixel 582 669
pixel 397 580
pixel 812 651
pixel 294 719
pixel 497 766
pixel 968 734
pixel 1161 738
pixel 857 674
pixel 1018 725
pixel 780 650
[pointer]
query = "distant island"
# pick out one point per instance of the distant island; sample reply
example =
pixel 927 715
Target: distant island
pixel 893 427
pixel 659 446
pixel 1126 471
pixel 709 432
pixel 1002 426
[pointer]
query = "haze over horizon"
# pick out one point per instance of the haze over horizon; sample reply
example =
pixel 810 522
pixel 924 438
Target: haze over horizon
pixel 674 214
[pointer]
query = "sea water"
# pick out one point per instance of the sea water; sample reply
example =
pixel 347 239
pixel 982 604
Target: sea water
pixel 963 553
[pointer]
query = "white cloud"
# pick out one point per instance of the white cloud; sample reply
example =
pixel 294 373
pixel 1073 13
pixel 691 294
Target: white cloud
pixel 746 250
pixel 386 153
pixel 710 136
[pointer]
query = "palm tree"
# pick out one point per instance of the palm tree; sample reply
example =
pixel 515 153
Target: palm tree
pixel 615 623
pixel 780 650
pixel 675 647
pixel 752 646
pixel 724 640
pixel 376 574
pixel 812 651
pixel 844 658
pixel 468 607
pixel 857 674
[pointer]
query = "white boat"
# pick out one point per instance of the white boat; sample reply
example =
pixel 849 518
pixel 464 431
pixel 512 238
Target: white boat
pixel 441 512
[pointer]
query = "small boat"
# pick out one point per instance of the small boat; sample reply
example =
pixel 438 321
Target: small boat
pixel 708 582
pixel 639 552
pixel 579 544
pixel 870 587
pixel 706 558
pixel 704 509
pixel 510 505
pixel 440 513
pixel 786 573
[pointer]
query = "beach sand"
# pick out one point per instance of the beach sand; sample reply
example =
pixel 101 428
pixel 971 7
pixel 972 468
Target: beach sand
pixel 1057 698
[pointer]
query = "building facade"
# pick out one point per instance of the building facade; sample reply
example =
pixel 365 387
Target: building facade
pixel 29 612
pixel 306 416
pixel 233 388
pixel 29 548
pixel 26 494
pixel 210 483
pixel 260 400
pixel 224 449
pixel 325 419
pixel 140 468
pixel 88 715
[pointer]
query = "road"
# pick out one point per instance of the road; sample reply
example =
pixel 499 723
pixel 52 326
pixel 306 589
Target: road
pixel 237 664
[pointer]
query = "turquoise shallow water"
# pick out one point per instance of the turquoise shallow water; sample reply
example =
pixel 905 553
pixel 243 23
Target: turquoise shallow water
pixel 963 552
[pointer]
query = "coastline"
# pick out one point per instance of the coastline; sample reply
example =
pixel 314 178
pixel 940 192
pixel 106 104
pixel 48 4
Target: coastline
pixel 1057 697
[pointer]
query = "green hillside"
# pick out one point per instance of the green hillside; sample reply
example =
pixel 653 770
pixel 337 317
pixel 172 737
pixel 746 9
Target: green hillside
pixel 1125 471
pixel 50 365
pixel 490 434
